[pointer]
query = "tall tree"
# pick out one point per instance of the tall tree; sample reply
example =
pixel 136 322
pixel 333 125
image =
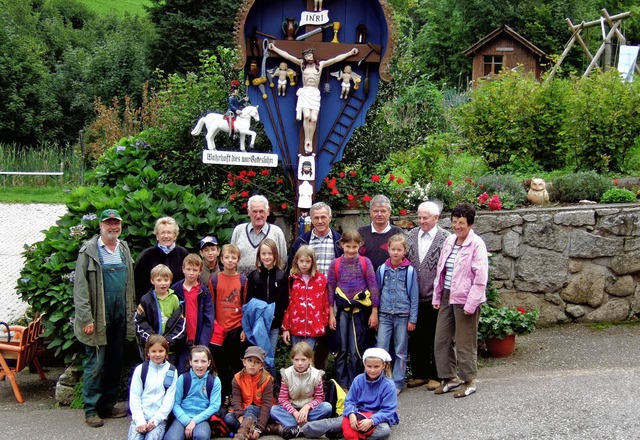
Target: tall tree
pixel 186 27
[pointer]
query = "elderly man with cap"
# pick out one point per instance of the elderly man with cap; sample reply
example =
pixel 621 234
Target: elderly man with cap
pixel 209 252
pixel 248 236
pixel 376 236
pixel 103 295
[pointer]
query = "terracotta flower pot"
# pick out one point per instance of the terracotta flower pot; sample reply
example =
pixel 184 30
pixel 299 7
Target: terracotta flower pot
pixel 501 347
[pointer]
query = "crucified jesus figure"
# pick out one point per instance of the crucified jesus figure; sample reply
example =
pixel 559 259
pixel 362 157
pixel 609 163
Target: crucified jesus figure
pixel 308 104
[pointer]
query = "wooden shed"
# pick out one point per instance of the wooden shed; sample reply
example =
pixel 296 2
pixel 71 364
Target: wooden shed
pixel 505 48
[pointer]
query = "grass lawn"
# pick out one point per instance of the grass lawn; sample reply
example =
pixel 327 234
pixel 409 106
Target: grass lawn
pixel 134 7
pixel 28 194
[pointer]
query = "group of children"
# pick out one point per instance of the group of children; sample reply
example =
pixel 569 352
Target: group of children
pixel 218 326
pixel 193 398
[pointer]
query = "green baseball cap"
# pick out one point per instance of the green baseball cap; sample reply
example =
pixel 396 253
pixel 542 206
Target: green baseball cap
pixel 110 213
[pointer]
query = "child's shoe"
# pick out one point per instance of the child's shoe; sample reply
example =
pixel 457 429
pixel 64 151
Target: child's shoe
pixel 291 432
pixel 246 428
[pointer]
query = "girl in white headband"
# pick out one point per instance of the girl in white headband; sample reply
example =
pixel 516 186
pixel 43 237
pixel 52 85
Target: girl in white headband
pixel 370 405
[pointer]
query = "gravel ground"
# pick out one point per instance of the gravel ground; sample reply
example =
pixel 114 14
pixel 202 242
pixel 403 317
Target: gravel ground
pixel 20 225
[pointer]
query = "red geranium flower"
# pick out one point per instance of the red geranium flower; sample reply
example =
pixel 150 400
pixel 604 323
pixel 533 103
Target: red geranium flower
pixel 280 181
pixel 352 173
pixel 229 176
pixel 342 174
pixel 403 212
pixel 244 194
pixel 332 183
pixel 400 180
pixel 495 204
pixel 366 198
pixel 244 205
pixel 251 173
pixel 265 172
pixel 233 196
pixel 449 182
pixel 615 182
pixel 482 198
pixel 335 192
pixel 375 178
pixel 284 206
pixel 350 197
pixel 522 310
pixel 326 179
pixel 243 173
pixel 392 177
pixel 231 183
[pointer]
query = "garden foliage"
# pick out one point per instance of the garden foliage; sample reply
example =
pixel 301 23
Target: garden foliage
pixel 571 188
pixel 589 123
pixel 127 180
pixel 618 195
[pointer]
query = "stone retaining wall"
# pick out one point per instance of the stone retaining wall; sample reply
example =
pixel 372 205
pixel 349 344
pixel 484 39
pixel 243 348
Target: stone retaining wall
pixel 579 263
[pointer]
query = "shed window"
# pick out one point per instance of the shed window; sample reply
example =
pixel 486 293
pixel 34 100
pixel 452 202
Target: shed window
pixel 492 64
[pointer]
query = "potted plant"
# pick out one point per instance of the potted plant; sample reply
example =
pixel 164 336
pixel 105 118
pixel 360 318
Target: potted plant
pixel 499 326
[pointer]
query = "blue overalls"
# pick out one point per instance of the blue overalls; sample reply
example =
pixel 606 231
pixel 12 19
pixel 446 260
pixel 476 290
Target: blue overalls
pixel 103 365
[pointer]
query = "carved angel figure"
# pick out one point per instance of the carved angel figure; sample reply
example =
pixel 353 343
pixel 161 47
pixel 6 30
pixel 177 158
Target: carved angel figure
pixel 283 72
pixel 347 76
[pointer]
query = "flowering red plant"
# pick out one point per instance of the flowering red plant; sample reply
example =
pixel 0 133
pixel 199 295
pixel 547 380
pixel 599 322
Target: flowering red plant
pixel 482 198
pixel 495 204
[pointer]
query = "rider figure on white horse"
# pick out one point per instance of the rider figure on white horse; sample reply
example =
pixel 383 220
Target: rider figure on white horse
pixel 235 104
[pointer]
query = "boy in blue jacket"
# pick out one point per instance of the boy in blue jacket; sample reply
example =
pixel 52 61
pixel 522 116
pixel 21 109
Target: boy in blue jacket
pixel 198 305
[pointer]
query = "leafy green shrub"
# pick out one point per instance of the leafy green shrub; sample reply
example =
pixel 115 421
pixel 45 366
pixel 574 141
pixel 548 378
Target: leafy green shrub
pixel 508 187
pixel 516 116
pixel 46 282
pixel 497 322
pixel 618 195
pixel 571 188
pixel 602 124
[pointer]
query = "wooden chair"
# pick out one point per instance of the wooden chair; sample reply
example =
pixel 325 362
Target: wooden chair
pixel 20 351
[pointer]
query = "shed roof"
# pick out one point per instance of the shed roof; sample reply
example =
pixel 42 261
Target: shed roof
pixel 504 30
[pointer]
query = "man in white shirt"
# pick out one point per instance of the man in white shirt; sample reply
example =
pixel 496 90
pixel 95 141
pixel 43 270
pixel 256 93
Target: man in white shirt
pixel 425 244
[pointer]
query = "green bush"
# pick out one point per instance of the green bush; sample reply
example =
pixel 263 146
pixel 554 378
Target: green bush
pixel 571 188
pixel 508 187
pixel 46 282
pixel 618 195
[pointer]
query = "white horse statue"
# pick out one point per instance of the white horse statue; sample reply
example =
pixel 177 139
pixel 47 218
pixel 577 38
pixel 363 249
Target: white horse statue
pixel 215 122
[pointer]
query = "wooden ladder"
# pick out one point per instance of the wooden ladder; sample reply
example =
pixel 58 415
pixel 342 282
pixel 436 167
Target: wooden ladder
pixel 342 125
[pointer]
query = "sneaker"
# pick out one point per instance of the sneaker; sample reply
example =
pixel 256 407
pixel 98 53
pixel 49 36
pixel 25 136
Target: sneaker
pixel 94 421
pixel 291 432
pixel 432 384
pixel 466 389
pixel 414 383
pixel 113 413
pixel 447 386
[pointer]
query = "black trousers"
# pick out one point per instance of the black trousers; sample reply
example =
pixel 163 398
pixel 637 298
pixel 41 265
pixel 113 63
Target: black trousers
pixel 421 351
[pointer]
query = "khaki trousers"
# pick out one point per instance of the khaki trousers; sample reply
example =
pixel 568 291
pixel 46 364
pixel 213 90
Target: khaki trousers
pixel 456 341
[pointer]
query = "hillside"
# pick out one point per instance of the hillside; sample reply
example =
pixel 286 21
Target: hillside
pixel 134 7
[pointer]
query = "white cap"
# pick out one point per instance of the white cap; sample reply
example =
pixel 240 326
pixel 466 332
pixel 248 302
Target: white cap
pixel 379 353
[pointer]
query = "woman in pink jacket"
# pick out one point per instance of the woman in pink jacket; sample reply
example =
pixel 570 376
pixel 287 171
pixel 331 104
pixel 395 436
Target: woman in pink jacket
pixel 459 291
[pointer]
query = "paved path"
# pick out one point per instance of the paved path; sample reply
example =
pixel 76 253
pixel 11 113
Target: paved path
pixel 20 225
pixel 568 382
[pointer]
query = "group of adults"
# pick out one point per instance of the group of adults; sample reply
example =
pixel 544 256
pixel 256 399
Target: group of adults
pixel 107 288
